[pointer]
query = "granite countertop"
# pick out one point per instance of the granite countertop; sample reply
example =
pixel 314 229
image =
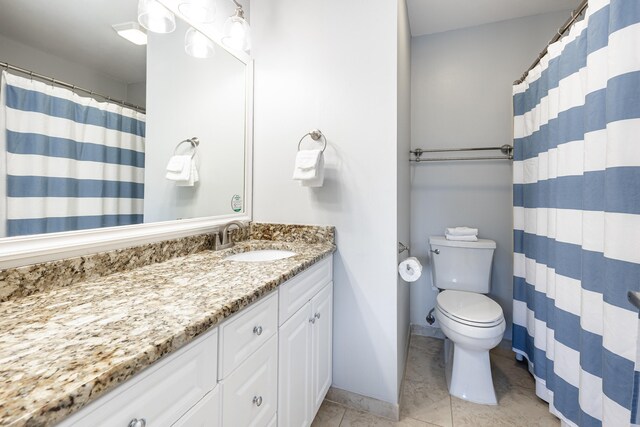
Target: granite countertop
pixel 64 347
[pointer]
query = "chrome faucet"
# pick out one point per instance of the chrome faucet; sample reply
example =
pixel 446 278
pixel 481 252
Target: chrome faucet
pixel 225 241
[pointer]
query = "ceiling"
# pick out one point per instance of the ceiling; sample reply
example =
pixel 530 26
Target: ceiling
pixel 435 16
pixel 79 31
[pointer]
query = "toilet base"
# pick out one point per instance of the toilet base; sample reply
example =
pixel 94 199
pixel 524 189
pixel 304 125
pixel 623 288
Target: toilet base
pixel 468 374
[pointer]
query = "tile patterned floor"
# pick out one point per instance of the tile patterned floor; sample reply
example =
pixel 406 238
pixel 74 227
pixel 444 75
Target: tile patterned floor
pixel 426 401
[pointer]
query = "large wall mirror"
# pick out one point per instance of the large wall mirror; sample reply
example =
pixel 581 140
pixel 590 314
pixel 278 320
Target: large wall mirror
pixel 163 141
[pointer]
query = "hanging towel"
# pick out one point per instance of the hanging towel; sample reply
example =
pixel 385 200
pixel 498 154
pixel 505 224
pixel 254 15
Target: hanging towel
pixel 461 231
pixel 194 177
pixel 308 164
pixel 462 238
pixel 179 168
pixel 319 179
pixel 183 170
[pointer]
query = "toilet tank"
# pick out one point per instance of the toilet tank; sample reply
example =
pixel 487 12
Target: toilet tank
pixel 463 266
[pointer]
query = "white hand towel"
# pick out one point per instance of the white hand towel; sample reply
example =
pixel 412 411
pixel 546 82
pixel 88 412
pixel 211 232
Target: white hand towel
pixel 179 168
pixel 306 166
pixel 461 231
pixel 461 238
pixel 194 176
pixel 319 179
pixel 410 269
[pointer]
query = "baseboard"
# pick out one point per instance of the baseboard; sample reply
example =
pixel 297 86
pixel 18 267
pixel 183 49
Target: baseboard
pixel 357 401
pixel 406 360
pixel 427 331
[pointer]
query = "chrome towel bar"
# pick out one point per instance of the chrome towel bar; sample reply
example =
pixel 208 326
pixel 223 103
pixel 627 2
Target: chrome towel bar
pixel 506 150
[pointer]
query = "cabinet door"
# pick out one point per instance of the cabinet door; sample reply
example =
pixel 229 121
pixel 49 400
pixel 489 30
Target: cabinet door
pixel 321 369
pixel 250 393
pixel 206 413
pixel 294 370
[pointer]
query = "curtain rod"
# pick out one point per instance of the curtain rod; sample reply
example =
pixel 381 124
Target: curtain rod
pixel 563 29
pixel 74 88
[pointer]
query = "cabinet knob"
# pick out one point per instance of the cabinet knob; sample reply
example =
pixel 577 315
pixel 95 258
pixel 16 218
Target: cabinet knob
pixel 257 400
pixel 137 422
pixel 312 320
pixel 317 316
pixel 257 330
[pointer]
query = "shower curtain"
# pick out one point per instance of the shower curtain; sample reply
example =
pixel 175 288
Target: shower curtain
pixel 577 218
pixel 68 162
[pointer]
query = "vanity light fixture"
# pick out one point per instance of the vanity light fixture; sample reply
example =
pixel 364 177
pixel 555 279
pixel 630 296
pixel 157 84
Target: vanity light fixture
pixel 237 34
pixel 200 11
pixel 197 44
pixel 132 32
pixel 155 17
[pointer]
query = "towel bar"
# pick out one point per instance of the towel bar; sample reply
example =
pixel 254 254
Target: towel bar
pixel 194 141
pixel 315 134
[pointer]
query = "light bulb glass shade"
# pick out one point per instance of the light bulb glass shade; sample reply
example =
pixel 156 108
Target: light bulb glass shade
pixel 237 34
pixel 201 11
pixel 155 17
pixel 198 45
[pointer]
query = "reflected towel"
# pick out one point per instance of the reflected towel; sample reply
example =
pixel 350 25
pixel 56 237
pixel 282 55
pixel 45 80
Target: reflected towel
pixel 194 177
pixel 179 168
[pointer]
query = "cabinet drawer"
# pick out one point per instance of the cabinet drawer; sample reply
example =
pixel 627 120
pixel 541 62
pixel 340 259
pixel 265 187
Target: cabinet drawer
pixel 161 394
pixel 206 413
pixel 243 334
pixel 299 290
pixel 249 395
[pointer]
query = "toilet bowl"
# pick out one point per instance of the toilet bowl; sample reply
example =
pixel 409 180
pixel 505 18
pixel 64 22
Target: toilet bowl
pixel 472 322
pixel 473 325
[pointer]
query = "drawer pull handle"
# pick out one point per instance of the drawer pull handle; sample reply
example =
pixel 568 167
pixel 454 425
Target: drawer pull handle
pixel 257 330
pixel 317 316
pixel 257 400
pixel 138 422
pixel 312 320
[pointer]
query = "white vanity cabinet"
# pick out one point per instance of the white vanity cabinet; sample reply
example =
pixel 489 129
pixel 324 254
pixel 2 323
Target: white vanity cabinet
pixel 267 365
pixel 304 347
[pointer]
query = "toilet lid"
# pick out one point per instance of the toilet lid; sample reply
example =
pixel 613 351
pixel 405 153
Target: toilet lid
pixel 470 308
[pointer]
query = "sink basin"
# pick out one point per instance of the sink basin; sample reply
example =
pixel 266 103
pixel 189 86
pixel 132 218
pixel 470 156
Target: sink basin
pixel 261 255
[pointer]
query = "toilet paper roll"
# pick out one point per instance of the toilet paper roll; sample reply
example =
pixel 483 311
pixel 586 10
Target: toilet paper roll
pixel 410 269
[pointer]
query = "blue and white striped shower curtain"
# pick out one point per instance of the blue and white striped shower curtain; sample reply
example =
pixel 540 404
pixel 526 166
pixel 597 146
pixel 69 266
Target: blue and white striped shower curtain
pixel 68 162
pixel 577 218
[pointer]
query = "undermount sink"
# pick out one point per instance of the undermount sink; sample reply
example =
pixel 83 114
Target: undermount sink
pixel 261 255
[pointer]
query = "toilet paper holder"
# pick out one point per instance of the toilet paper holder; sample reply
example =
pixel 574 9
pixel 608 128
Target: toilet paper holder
pixel 402 247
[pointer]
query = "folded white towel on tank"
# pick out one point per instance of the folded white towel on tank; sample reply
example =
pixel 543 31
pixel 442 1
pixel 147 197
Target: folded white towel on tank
pixel 461 231
pixel 461 238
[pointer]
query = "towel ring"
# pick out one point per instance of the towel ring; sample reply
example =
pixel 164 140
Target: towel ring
pixel 194 144
pixel 315 134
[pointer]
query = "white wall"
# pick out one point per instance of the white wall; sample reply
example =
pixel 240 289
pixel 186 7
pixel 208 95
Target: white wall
pixel 193 97
pixel 461 97
pixel 404 145
pixel 21 55
pixel 333 65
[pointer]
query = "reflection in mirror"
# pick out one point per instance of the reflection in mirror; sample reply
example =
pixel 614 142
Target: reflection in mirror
pixel 71 160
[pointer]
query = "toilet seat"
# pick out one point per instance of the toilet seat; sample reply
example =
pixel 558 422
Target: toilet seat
pixel 471 309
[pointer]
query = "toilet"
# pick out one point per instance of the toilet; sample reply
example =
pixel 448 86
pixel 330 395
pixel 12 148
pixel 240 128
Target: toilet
pixel 472 322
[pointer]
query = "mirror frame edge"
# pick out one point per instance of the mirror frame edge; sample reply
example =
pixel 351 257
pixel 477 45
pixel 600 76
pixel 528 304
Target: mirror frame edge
pixel 38 248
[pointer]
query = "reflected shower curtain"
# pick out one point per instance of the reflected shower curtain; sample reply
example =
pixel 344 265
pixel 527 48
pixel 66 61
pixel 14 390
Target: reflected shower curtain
pixel 68 162
pixel 577 218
